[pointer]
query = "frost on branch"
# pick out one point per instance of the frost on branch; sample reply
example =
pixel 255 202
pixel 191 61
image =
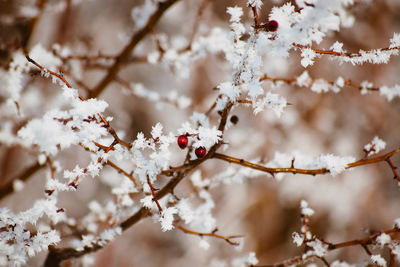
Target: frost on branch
pixel 375 146
pixel 89 241
pixel 334 164
pixel 65 128
pixel 114 103
pixel 17 242
pixel 378 260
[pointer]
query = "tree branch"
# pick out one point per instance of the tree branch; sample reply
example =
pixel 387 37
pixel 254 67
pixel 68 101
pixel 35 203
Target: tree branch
pixel 272 171
pixel 125 54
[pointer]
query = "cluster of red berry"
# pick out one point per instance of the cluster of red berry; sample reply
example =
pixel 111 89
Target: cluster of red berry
pixel 272 25
pixel 183 141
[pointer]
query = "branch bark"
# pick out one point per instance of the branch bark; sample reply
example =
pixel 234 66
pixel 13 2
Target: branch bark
pixel 126 53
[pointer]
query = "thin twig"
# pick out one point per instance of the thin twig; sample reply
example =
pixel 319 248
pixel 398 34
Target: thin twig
pixel 301 171
pixel 211 234
pixel 136 38
pixel 57 255
pixel 341 54
pixel 294 80
pixel 8 188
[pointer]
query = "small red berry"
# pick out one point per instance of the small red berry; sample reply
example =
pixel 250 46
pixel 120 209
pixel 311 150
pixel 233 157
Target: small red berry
pixel 200 152
pixel 182 141
pixel 272 25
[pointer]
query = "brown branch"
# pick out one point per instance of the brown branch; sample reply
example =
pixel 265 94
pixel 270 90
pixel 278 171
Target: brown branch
pixel 392 260
pixel 200 11
pixel 394 169
pixel 136 38
pixel 57 255
pixel 119 169
pixel 161 99
pixel 290 262
pixel 59 76
pixel 363 242
pixel 40 4
pixel 211 234
pixel 51 167
pixel 340 54
pixel 331 246
pixel 324 261
pixel 301 171
pixel 154 195
pixel 255 15
pixel 23 176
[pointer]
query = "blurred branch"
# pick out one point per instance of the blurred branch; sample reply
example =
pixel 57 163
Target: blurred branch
pixel 200 11
pixel 101 61
pixel 23 176
pixel 365 241
pixel 294 80
pixel 40 4
pixel 136 38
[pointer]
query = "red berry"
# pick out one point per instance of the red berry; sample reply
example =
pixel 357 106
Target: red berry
pixel 200 152
pixel 272 25
pixel 182 141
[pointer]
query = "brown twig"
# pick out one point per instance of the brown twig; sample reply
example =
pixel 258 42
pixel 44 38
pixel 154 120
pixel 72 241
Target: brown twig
pixel 200 11
pixel 40 4
pixel 370 240
pixel 115 166
pixel 290 262
pixel 57 255
pixel 340 54
pixel 255 15
pixel 136 38
pixel 51 167
pixel 161 99
pixel 363 242
pixel 301 171
pixel 394 169
pixel 211 234
pixel 23 176
pixel 61 77
pixel 154 195
pixel 294 80
pixel 119 169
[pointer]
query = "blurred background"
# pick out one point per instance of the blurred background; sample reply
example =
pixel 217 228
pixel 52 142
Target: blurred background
pixel 264 210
